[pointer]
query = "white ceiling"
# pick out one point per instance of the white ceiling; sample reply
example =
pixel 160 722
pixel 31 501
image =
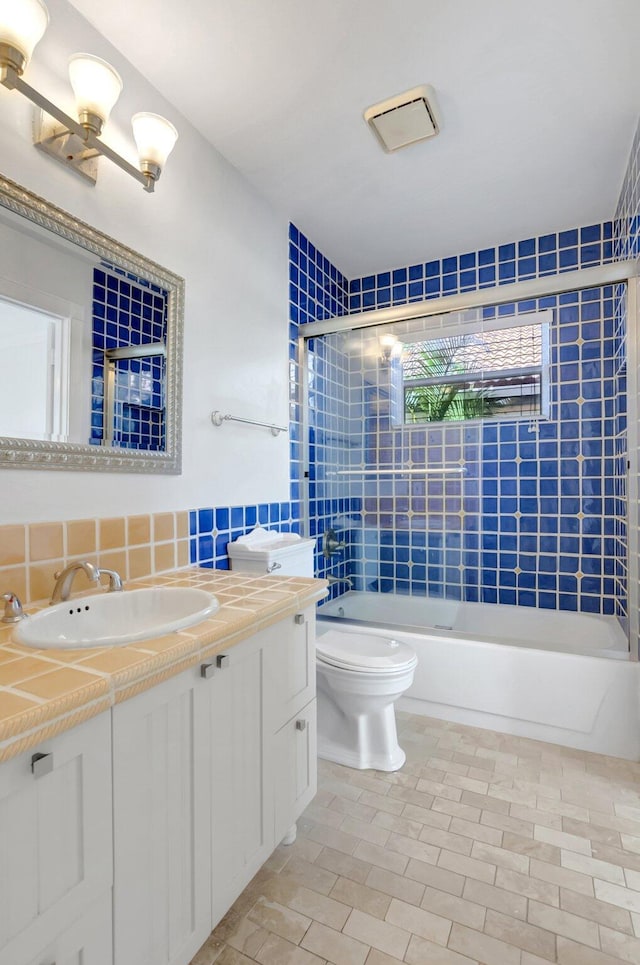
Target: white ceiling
pixel 539 100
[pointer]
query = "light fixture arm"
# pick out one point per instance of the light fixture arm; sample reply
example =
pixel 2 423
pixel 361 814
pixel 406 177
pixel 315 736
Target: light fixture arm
pixel 11 79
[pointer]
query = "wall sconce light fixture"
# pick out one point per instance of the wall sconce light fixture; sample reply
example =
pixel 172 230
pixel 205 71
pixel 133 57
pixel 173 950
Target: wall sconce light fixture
pixel 96 85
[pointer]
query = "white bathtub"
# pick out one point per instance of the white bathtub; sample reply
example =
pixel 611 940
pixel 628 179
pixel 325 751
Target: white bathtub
pixel 554 676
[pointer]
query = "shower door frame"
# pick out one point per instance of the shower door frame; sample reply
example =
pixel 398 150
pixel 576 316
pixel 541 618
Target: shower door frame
pixel 614 273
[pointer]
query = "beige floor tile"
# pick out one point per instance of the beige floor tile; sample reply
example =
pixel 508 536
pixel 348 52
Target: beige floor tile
pixel 374 854
pixel 428 818
pixel 322 815
pixel 563 877
pixel 610 915
pixel 455 909
pixel 392 822
pixel 564 923
pixel 229 956
pixel 504 822
pixel 277 951
pixel 363 897
pixel 469 867
pixel 594 833
pixel 445 839
pixel 333 838
pixel 376 957
pixel 635 921
pixel 536 817
pixel 568 842
pixel 343 864
pixel 381 802
pixel 528 887
pixel 629 842
pixel 620 945
pixel 500 900
pixel 624 859
pixel 248 937
pixel 500 857
pixel 418 921
pixel 513 931
pixel 456 809
pixel 395 886
pixel 365 831
pixel 336 947
pixel 477 831
pixel 571 953
pixel 354 809
pixel 422 952
pixel 436 877
pixel 483 948
pixel 413 849
pixel 592 866
pixel 623 897
pixel 485 803
pixel 383 935
pixel 279 919
pixel 632 879
pixel 320 908
pixel 309 875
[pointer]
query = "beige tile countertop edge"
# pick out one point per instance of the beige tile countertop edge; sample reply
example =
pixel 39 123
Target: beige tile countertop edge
pixel 45 692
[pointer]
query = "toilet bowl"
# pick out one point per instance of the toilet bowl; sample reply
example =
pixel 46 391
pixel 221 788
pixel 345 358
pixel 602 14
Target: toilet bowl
pixel 360 676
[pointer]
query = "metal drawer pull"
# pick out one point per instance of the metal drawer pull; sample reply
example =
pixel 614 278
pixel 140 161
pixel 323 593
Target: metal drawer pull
pixel 222 660
pixel 298 619
pixel 301 725
pixel 41 764
pixel 207 670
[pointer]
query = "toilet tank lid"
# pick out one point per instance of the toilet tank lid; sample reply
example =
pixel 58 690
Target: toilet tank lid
pixel 261 540
pixel 364 650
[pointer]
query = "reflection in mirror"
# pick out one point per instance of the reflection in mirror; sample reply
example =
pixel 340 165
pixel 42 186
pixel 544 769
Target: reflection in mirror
pixel 90 335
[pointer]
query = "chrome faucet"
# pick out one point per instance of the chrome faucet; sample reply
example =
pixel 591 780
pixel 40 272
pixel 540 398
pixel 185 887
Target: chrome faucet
pixel 332 580
pixel 115 582
pixel 12 609
pixel 65 578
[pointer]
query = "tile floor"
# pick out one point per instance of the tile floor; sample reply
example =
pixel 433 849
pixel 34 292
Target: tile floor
pixel 484 848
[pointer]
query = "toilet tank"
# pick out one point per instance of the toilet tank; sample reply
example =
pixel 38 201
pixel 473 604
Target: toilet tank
pixel 264 551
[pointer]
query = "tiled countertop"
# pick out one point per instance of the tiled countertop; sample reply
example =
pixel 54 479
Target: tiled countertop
pixel 43 692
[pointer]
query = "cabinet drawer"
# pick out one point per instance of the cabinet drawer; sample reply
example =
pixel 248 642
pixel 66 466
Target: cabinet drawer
pixel 295 761
pixel 290 667
pixel 86 942
pixel 55 833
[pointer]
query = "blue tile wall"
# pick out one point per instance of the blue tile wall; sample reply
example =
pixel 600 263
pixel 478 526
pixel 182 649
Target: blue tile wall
pixel 539 517
pixel 212 528
pixel 126 311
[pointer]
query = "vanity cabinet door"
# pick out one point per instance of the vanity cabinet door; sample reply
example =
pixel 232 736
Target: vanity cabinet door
pixel 241 801
pixel 55 836
pixel 162 849
pixel 87 942
pixel 295 769
pixel 290 667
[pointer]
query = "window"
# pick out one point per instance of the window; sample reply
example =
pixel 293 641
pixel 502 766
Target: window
pixel 499 372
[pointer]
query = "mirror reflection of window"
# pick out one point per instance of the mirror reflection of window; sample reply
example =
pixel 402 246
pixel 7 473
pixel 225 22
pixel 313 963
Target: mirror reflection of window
pixel 34 389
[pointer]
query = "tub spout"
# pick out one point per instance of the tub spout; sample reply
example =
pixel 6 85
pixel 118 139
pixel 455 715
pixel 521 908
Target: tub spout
pixel 332 580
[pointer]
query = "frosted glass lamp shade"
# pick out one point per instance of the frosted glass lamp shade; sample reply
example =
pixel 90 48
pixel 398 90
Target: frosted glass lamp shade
pixel 22 24
pixel 155 138
pixel 96 85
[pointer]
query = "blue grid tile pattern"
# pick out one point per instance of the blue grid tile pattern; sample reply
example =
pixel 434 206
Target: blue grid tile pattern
pixel 127 311
pixel 538 520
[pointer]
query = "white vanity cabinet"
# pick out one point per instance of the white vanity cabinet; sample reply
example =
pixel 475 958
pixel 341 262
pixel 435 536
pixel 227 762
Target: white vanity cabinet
pixel 176 798
pixel 241 772
pixel 56 847
pixel 162 837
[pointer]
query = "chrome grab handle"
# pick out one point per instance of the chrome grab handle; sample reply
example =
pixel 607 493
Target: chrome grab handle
pixel 207 670
pixel 274 566
pixel 222 661
pixel 301 725
pixel 41 764
pixel 12 608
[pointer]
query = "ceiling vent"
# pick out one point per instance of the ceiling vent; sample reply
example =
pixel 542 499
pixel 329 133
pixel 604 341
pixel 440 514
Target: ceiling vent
pixel 404 119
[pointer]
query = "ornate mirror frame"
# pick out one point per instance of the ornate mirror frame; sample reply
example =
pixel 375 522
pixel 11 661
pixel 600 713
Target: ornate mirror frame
pixel 35 454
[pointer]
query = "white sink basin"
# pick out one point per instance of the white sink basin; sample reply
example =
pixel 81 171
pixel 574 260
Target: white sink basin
pixel 115 619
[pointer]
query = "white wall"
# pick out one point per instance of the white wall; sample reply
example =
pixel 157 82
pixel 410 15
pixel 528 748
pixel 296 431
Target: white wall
pixel 205 223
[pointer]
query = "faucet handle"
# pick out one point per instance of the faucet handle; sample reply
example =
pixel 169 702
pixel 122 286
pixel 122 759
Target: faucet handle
pixel 115 582
pixel 13 612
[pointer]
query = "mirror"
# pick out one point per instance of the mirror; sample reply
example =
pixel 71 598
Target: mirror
pixel 91 342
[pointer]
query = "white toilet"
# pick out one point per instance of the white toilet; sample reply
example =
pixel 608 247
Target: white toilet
pixel 360 676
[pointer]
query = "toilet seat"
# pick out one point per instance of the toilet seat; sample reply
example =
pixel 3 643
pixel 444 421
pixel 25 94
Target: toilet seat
pixel 365 653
